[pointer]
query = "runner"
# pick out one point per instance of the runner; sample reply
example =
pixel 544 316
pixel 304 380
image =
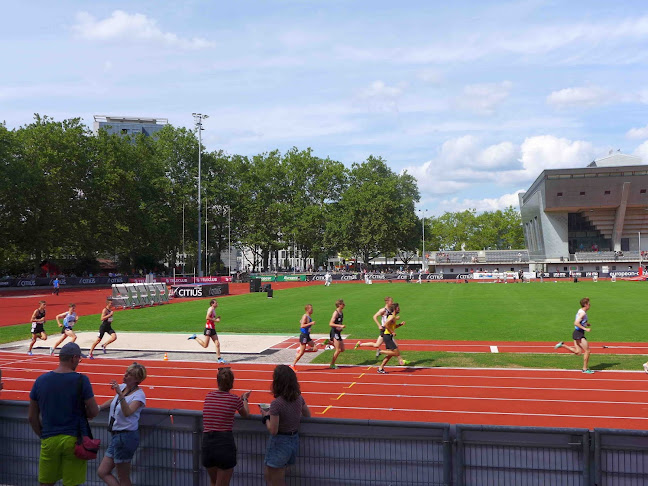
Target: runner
pixel 210 330
pixel 327 279
pixel 336 327
pixel 383 313
pixel 305 325
pixel 69 319
pixel 105 327
pixel 390 344
pixel 581 326
pixel 38 325
pixel 55 285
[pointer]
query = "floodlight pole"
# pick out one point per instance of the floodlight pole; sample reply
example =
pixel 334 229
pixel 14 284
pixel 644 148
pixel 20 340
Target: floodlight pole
pixel 423 259
pixel 198 118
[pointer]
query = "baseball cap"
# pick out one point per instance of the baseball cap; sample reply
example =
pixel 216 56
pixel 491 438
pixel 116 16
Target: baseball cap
pixel 71 349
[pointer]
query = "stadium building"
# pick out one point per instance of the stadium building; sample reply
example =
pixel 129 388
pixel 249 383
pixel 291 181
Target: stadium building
pixel 128 126
pixel 595 213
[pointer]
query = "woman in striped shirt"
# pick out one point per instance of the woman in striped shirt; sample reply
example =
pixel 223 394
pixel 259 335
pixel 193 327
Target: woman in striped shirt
pixel 218 446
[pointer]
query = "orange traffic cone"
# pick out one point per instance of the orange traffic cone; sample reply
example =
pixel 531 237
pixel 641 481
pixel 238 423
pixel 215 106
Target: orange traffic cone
pixel 166 357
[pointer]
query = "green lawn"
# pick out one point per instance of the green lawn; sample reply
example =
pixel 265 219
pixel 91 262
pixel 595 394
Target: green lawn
pixel 468 312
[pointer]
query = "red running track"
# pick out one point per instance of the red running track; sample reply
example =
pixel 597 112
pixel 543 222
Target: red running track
pixel 469 396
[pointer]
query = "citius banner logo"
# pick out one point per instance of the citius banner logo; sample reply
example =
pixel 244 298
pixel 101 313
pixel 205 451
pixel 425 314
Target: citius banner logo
pixel 215 291
pixel 188 292
pixel 87 281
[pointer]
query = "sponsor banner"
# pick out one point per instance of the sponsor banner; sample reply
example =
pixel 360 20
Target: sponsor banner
pixel 200 290
pixel 280 278
pixel 42 282
pixel 185 280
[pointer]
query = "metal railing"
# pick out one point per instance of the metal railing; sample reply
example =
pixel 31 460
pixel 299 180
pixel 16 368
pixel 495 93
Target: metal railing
pixel 357 453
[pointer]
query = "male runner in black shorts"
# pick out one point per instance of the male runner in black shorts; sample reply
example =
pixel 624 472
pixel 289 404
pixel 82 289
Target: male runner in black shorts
pixel 105 328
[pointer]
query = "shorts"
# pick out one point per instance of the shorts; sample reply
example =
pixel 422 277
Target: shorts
pixel 382 331
pixel 106 327
pixel 66 329
pixel 335 335
pixel 218 450
pixel 304 338
pixel 282 450
pixel 122 446
pixel 389 342
pixel 211 333
pixel 578 334
pixel 57 461
pixel 37 327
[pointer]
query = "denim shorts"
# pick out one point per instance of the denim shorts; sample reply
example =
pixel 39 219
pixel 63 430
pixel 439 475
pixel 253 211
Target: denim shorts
pixel 122 446
pixel 282 450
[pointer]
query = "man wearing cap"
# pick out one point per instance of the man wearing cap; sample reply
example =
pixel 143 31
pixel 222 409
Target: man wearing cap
pixel 55 415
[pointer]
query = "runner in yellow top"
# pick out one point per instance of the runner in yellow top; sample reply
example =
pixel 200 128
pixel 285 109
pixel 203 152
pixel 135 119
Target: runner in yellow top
pixel 390 331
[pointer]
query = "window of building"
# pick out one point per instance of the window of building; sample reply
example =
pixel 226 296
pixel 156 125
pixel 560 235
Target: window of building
pixel 643 191
pixel 597 269
pixel 580 269
pixel 607 192
pixel 582 193
pixel 613 267
pixel 559 194
pixel 124 131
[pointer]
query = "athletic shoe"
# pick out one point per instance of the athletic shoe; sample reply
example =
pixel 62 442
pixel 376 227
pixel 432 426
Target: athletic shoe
pixel 645 366
pixel 589 372
pixel 333 367
pixel 559 345
pixel 221 360
pixel 405 362
pixel 51 350
pixel 357 345
pixel 378 353
pixel 90 356
pixel 381 371
pixel 103 346
pixel 193 336
pixel 29 353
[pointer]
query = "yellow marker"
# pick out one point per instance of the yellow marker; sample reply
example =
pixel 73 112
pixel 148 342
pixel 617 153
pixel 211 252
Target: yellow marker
pixel 340 396
pixel 361 375
pixel 344 387
pixel 325 410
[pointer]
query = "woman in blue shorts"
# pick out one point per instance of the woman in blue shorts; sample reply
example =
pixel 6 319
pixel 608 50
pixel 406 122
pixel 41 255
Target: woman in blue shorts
pixel 305 325
pixel 69 319
pixel 125 409
pixel 282 421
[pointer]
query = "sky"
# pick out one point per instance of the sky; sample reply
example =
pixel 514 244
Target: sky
pixel 473 98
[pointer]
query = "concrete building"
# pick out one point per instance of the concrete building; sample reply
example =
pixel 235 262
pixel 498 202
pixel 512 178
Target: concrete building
pixel 126 125
pixel 599 208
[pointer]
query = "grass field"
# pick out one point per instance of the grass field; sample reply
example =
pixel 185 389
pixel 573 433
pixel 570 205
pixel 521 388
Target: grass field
pixel 472 312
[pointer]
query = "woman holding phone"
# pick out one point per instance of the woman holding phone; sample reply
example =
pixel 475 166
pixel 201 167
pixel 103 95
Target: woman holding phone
pixel 218 446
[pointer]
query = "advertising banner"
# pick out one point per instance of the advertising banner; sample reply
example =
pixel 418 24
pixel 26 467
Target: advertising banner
pixel 280 278
pixel 200 290
pixel 185 280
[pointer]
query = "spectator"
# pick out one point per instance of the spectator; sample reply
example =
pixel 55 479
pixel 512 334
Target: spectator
pixel 55 416
pixel 218 446
pixel 125 409
pixel 282 421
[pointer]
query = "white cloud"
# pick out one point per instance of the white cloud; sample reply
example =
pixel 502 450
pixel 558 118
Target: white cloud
pixel 484 98
pixel 381 97
pixel 642 151
pixel 122 26
pixel 487 204
pixel 638 133
pixel 585 96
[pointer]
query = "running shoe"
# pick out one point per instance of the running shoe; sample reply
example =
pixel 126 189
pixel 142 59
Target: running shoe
pixel 103 346
pixel 29 353
pixel 51 350
pixel 357 345
pixel 589 372
pixel 378 353
pixel 559 345
pixel 193 336
pixel 381 371
pixel 221 360
pixel 645 366
pixel 90 356
pixel 333 367
pixel 405 362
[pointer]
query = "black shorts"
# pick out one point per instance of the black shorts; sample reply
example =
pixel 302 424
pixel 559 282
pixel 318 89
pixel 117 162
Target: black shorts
pixel 37 327
pixel 578 334
pixel 218 450
pixel 66 329
pixel 335 335
pixel 105 328
pixel 210 333
pixel 389 342
pixel 304 338
pixel 382 331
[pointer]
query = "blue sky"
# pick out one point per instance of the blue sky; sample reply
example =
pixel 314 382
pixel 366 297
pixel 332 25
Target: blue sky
pixel 474 98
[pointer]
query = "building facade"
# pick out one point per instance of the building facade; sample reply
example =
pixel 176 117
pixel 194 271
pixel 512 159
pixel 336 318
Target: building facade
pixel 128 126
pixel 599 208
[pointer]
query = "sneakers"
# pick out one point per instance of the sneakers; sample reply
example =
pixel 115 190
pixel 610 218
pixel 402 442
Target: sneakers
pixel 193 336
pixel 333 367
pixel 378 353
pixel 90 356
pixel 29 353
pixel 357 345
pixel 589 372
pixel 645 367
pixel 405 362
pixel 381 371
pixel 103 346
pixel 221 360
pixel 559 345
pixel 51 350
